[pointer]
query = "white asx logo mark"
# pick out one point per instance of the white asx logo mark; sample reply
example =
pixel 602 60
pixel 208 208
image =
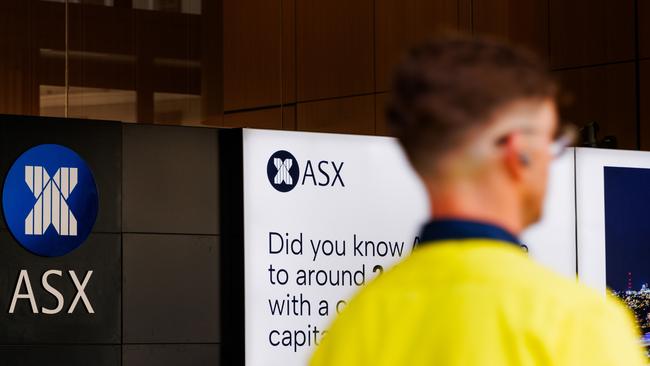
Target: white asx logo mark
pixel 283 166
pixel 51 207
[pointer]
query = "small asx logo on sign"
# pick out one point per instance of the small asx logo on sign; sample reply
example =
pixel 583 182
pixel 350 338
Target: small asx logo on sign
pixel 284 172
pixel 50 200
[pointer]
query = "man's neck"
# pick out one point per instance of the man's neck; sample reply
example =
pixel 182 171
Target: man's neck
pixel 477 203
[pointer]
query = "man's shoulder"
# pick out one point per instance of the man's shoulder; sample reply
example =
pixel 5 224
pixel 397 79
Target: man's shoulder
pixel 546 286
pixel 564 318
pixel 501 270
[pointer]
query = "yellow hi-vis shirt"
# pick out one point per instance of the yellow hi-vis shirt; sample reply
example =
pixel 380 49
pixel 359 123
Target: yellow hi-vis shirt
pixel 478 302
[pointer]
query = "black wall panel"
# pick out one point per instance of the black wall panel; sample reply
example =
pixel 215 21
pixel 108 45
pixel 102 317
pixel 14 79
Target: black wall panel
pixel 170 180
pixel 174 298
pixel 172 355
pixel 51 355
pixel 154 251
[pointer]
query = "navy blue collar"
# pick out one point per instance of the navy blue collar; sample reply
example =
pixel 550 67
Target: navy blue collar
pixel 455 229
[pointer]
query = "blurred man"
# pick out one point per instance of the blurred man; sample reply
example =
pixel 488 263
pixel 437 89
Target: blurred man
pixel 478 121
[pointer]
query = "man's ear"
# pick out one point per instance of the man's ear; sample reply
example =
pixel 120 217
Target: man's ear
pixel 516 161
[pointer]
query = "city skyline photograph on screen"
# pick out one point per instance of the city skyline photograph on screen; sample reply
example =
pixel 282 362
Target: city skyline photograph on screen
pixel 627 229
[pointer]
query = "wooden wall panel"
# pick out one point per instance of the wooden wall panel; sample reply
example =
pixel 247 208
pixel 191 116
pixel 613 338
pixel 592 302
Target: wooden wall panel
pixel 524 22
pixel 170 35
pixel 334 48
pixel 465 16
pixel 588 32
pixel 345 115
pixel 17 59
pixel 289 118
pixel 645 104
pixel 111 30
pixel 400 24
pixel 332 56
pixel 602 94
pixel 644 29
pixel 289 51
pixel 381 126
pixel 103 45
pixel 269 118
pixel 212 97
pixel 252 53
pixel 101 29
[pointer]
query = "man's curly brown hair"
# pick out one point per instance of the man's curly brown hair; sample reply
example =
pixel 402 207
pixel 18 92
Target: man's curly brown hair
pixel 451 85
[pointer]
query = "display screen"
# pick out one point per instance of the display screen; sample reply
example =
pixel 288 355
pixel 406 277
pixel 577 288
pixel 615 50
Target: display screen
pixel 319 216
pixel 627 229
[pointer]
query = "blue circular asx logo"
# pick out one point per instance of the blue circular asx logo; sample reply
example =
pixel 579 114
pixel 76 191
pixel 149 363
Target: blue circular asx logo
pixel 283 171
pixel 50 200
